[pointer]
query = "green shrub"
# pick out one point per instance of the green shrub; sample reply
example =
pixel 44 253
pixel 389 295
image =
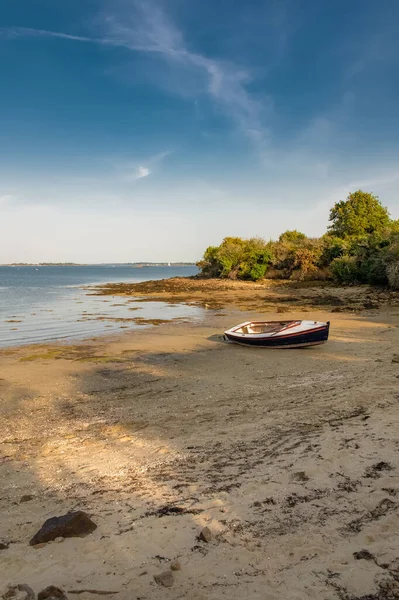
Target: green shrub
pixel 305 265
pixel 345 269
pixel 237 258
pixel 293 236
pixel 210 265
pixel 333 247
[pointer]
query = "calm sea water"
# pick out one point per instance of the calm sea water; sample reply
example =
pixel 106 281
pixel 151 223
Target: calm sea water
pixel 42 304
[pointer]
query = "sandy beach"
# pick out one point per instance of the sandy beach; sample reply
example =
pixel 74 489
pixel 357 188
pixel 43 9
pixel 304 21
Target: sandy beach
pixel 289 457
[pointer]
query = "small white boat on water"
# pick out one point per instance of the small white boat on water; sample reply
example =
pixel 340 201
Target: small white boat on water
pixel 279 334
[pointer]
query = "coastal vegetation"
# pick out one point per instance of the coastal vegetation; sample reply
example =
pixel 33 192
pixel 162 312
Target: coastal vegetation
pixel 361 245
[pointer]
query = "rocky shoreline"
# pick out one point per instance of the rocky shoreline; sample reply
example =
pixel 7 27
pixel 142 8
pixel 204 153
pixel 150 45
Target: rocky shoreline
pixel 264 296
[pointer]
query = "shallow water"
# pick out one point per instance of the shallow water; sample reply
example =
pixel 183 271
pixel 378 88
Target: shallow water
pixel 43 304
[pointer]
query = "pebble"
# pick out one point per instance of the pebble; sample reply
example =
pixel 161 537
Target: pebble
pixel 175 565
pixel 206 535
pixel 165 579
pixel 26 498
pixel 52 593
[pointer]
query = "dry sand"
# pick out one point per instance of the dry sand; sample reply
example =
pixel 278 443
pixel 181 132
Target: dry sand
pixel 290 457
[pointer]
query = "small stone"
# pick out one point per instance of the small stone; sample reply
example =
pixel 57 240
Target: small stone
pixel 165 579
pixel 206 535
pixel 74 524
pixel 22 591
pixel 26 498
pixel 395 358
pixel 175 565
pixel 4 545
pixel 59 540
pixel 38 546
pixel 300 476
pixel 363 555
pixel 51 593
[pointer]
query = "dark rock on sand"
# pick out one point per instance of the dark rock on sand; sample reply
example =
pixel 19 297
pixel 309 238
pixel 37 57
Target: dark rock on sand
pixel 26 498
pixel 4 545
pixel 74 524
pixel 363 554
pixel 22 591
pixel 374 471
pixel 165 579
pixel 175 565
pixel 299 476
pixel 206 535
pixel 51 593
pixel 395 358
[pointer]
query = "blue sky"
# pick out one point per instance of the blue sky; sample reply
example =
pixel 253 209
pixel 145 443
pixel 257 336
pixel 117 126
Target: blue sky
pixel 149 129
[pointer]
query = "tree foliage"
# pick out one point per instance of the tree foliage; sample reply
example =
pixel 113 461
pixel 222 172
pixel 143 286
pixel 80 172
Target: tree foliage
pixel 237 258
pixel 293 236
pixel 360 246
pixel 360 214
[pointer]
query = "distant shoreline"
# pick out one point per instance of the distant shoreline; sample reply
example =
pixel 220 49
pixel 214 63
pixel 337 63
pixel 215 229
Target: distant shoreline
pixel 136 265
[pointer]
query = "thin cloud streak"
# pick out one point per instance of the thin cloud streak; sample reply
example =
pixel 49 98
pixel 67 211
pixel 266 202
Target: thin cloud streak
pixel 145 28
pixel 149 30
pixel 16 32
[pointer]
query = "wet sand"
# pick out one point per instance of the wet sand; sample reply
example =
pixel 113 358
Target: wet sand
pixel 290 457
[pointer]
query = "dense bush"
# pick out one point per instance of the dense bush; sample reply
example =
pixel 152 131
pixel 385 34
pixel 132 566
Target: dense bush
pixel 236 258
pixel 345 269
pixel 293 236
pixel 360 246
pixel 296 256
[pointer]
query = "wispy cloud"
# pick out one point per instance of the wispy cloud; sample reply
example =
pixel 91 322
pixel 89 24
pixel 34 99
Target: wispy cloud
pixel 16 32
pixel 134 170
pixel 141 172
pixel 144 27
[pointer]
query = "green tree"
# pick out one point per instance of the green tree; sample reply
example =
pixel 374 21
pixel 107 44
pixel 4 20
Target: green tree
pixel 237 258
pixel 361 246
pixel 307 259
pixel 230 255
pixel 210 265
pixel 333 247
pixel 292 236
pixel 361 214
pixel 255 260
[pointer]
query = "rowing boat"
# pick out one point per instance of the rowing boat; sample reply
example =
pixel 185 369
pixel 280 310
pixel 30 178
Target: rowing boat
pixel 279 334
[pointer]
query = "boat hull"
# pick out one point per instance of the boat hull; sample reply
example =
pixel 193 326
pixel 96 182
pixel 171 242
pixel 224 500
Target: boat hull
pixel 293 340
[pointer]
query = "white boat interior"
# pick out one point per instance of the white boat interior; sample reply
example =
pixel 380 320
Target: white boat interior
pixel 266 327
